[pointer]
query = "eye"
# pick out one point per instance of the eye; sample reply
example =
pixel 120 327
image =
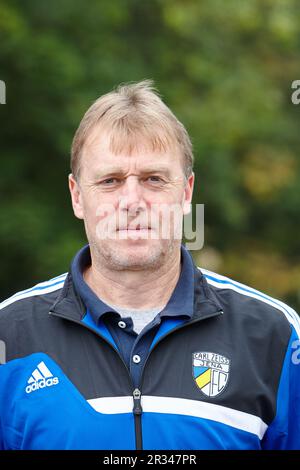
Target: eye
pixel 109 181
pixel 154 179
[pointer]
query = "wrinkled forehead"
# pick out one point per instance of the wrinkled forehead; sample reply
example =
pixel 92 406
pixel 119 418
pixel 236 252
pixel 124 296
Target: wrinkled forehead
pixel 149 142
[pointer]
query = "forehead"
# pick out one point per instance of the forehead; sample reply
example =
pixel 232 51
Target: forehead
pixel 102 152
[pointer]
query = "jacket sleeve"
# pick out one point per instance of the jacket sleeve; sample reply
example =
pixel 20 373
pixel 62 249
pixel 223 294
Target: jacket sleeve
pixel 284 432
pixel 4 335
pixel 1 435
pixel 1 416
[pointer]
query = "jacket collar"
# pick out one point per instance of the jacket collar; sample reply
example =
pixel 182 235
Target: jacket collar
pixel 206 303
pixel 68 303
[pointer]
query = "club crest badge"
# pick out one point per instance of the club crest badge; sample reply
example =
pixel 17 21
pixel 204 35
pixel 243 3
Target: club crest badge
pixel 210 372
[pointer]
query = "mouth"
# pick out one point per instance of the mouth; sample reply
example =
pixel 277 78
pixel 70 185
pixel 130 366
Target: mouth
pixel 135 232
pixel 134 228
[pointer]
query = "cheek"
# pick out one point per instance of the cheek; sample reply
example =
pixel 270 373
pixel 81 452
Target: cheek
pixel 97 207
pixel 169 196
pixel 100 220
pixel 106 217
pixel 167 218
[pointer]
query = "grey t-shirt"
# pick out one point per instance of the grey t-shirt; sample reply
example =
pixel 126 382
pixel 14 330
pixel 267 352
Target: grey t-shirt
pixel 140 317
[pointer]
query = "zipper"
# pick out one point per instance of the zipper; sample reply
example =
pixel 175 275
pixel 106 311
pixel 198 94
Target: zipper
pixel 137 394
pixel 137 411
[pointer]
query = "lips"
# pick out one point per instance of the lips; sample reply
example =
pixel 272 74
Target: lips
pixel 134 227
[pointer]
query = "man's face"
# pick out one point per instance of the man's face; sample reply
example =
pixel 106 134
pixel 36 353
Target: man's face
pixel 132 205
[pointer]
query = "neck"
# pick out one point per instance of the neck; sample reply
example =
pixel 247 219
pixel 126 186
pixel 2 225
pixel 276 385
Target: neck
pixel 135 289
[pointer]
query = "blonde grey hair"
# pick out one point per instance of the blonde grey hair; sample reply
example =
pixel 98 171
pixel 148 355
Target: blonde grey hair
pixel 133 113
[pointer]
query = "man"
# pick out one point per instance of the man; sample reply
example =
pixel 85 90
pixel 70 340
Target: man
pixel 136 347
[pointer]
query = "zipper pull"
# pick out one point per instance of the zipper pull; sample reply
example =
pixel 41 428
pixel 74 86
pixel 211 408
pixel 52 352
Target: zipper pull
pixel 137 406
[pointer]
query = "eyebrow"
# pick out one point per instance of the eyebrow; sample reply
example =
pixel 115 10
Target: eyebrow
pixel 111 171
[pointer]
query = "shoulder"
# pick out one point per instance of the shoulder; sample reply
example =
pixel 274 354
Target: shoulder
pixel 41 296
pixel 252 302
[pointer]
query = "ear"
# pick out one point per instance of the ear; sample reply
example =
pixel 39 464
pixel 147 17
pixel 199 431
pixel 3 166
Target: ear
pixel 188 194
pixel 76 197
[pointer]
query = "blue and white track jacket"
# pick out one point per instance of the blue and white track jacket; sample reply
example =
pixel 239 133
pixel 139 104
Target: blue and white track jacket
pixel 228 378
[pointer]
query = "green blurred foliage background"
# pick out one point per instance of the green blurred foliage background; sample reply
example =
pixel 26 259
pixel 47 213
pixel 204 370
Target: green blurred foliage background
pixel 225 67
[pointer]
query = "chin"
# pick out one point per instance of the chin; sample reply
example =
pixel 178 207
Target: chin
pixel 137 256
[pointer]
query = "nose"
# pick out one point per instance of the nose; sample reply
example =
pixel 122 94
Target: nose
pixel 131 198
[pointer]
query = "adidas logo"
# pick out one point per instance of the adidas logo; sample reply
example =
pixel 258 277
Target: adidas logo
pixel 41 377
